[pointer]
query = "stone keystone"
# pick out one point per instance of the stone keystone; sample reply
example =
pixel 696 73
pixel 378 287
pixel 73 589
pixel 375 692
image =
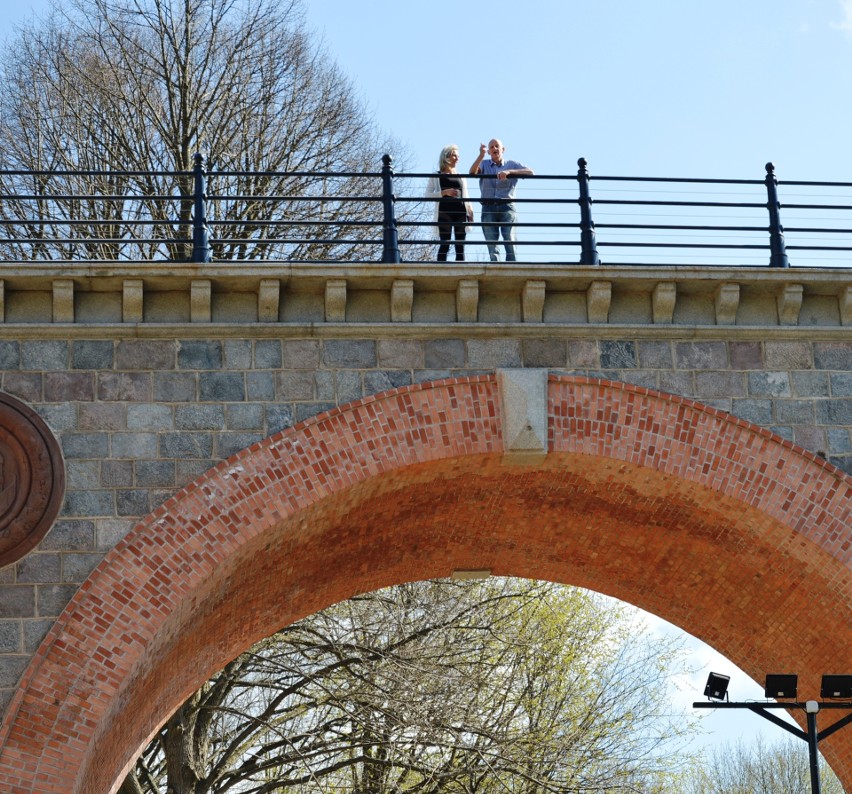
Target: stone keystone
pixel 523 404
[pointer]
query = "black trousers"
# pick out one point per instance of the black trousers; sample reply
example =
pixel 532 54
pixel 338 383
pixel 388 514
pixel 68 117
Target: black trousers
pixel 452 220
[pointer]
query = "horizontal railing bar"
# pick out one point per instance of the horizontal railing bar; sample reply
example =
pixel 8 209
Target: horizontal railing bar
pixel 638 244
pixel 432 242
pixel 815 230
pixel 139 198
pixel 785 182
pixel 88 196
pixel 478 224
pixel 189 174
pixel 662 203
pixel 331 199
pixel 273 223
pixel 818 248
pixel 473 200
pixel 41 242
pixel 291 241
pixel 57 172
pixel 103 222
pixel 817 206
pixel 681 227
pixel 318 174
pixel 688 180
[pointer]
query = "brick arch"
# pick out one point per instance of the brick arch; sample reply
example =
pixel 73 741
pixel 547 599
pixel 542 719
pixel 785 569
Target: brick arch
pixel 716 525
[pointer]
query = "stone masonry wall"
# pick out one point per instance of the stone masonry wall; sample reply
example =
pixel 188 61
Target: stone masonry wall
pixel 137 419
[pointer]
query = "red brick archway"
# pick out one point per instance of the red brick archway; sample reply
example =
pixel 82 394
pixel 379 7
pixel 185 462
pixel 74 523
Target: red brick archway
pixel 714 524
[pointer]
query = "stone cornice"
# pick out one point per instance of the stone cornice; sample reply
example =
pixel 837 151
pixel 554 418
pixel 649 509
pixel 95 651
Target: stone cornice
pixel 377 274
pixel 317 299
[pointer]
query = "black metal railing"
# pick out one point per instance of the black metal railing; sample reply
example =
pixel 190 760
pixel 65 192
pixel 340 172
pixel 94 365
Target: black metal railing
pixel 221 216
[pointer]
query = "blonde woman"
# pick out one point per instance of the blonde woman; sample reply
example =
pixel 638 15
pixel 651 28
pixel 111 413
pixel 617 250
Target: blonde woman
pixel 453 210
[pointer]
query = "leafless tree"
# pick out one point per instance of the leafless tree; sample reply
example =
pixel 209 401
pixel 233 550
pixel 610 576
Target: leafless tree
pixel 757 767
pixel 443 686
pixel 106 103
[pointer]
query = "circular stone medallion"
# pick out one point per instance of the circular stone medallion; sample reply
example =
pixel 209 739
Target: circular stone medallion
pixel 32 479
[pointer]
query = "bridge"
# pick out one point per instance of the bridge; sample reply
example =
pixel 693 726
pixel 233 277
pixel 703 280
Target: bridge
pixel 204 449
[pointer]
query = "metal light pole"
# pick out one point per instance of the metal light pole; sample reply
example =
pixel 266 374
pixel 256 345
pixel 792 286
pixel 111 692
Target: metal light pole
pixel 812 735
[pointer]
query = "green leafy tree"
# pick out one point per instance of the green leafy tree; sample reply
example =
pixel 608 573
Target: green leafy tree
pixel 443 686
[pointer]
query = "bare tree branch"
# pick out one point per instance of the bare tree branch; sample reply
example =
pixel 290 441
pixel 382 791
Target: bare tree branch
pixel 134 88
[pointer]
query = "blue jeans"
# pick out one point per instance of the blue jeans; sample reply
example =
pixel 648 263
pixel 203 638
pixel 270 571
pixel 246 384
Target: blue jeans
pixel 503 217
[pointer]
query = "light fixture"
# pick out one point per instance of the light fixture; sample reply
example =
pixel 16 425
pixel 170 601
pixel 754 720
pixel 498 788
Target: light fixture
pixel 836 686
pixel 462 574
pixel 781 686
pixel 717 686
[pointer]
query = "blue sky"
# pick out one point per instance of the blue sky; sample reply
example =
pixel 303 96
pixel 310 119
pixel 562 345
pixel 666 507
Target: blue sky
pixel 676 88
pixel 707 88
pixel 660 87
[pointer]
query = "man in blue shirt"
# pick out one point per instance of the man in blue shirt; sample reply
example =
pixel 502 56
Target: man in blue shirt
pixel 497 191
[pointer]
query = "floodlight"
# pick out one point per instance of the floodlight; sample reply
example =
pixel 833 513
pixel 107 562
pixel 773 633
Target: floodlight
pixel 836 686
pixel 470 573
pixel 781 686
pixel 717 686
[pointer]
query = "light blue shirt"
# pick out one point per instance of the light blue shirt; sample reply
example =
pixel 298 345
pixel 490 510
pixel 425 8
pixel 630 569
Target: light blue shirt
pixel 498 189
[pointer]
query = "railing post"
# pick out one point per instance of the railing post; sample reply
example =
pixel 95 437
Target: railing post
pixel 588 245
pixel 200 242
pixel 390 246
pixel 777 249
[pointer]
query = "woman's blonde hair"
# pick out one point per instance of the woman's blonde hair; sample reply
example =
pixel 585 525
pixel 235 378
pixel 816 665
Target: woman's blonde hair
pixel 445 155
